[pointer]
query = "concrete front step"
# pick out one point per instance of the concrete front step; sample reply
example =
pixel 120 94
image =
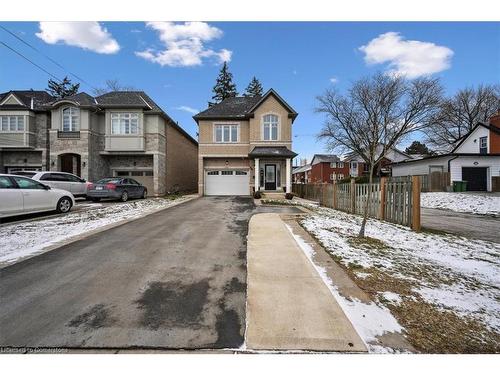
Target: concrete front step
pixel 273 195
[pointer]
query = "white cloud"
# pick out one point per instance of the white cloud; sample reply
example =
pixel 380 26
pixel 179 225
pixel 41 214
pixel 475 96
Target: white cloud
pixel 334 80
pixel 411 58
pixel 87 35
pixel 185 44
pixel 185 108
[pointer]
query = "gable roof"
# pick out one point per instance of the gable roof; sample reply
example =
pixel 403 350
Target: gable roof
pixel 30 99
pixel 241 107
pixel 464 138
pixel 324 158
pixel 301 169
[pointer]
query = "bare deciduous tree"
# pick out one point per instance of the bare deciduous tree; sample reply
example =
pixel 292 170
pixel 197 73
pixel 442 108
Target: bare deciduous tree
pixel 112 85
pixel 374 115
pixel 460 113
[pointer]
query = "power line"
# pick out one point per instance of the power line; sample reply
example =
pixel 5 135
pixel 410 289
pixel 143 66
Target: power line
pixel 24 57
pixel 46 56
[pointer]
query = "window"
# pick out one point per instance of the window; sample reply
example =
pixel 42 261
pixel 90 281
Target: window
pixel 270 128
pixel 122 173
pixel 71 118
pixel 241 173
pixel 354 165
pixel 226 133
pixel 340 164
pixel 26 183
pixel 213 173
pixel 12 123
pixel 331 177
pixel 124 123
pixel 341 176
pixel 483 145
pixel 6 183
pixel 227 173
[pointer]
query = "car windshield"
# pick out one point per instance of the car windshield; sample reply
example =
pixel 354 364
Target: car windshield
pixel 108 181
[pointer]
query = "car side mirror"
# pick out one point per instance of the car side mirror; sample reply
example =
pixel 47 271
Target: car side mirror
pixel 46 187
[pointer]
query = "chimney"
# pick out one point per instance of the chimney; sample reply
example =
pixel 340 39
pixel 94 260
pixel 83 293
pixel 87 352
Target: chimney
pixel 495 120
pixel 31 102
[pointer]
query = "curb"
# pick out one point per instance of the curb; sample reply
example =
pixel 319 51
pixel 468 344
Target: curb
pixel 90 233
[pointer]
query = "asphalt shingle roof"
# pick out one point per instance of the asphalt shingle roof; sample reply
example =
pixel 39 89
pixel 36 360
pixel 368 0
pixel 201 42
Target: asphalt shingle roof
pixel 25 96
pixel 127 98
pixel 230 107
pixel 325 158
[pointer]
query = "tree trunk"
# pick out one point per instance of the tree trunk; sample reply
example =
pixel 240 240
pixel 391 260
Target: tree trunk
pixel 367 204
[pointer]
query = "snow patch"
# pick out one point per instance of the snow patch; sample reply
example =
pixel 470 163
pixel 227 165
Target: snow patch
pixel 24 239
pixel 469 203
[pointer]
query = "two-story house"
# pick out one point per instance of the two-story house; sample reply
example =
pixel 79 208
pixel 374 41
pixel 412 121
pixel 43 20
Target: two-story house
pixel 357 167
pixel 115 134
pixel 327 168
pixel 475 159
pixel 245 145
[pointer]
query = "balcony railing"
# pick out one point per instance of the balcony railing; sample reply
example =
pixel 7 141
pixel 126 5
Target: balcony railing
pixel 68 134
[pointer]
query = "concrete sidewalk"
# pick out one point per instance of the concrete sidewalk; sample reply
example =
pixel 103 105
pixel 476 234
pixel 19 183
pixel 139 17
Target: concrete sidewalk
pixel 289 307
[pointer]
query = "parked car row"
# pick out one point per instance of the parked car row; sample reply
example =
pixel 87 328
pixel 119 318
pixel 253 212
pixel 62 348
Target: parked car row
pixel 27 192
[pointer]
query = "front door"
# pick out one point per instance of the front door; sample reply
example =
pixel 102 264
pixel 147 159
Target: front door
pixel 270 177
pixel 70 163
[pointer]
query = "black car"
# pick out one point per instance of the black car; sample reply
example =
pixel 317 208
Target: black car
pixel 117 188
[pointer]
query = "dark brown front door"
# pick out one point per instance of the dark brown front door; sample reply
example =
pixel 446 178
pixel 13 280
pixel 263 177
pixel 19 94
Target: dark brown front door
pixel 270 177
pixel 70 163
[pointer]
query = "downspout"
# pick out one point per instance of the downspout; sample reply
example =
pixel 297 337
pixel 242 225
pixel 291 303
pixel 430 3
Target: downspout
pixel 449 162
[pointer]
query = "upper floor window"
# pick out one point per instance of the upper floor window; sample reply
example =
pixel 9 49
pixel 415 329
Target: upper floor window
pixel 226 133
pixel 270 127
pixel 71 119
pixel 339 164
pixel 12 123
pixel 483 145
pixel 354 165
pixel 124 123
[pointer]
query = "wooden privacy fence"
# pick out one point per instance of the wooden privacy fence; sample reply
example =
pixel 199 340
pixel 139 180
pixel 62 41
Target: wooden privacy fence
pixel 393 200
pixel 434 181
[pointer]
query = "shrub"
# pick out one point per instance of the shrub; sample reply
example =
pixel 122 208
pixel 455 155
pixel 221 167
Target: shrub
pixel 257 195
pixel 289 196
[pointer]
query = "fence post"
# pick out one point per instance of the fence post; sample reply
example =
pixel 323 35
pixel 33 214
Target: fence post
pixel 382 198
pixel 334 203
pixel 415 203
pixel 353 196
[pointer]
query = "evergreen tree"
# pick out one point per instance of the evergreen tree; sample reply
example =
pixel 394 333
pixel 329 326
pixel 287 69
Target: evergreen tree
pixel 62 89
pixel 254 88
pixel 224 87
pixel 418 148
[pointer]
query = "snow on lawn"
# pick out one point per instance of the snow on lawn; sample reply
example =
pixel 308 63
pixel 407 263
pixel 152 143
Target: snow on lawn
pixel 369 320
pixel 452 273
pixel 471 203
pixel 19 240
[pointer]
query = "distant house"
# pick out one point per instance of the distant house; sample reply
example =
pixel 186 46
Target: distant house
pixel 302 174
pixel 475 159
pixel 357 166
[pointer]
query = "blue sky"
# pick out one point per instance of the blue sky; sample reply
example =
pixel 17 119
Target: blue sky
pixel 176 64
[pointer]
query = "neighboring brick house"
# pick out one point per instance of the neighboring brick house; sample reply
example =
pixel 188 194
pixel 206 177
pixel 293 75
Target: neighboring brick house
pixel 115 134
pixel 245 144
pixel 475 159
pixel 327 168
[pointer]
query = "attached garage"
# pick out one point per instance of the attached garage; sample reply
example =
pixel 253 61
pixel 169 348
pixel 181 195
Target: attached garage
pixel 227 182
pixel 476 177
pixel 144 177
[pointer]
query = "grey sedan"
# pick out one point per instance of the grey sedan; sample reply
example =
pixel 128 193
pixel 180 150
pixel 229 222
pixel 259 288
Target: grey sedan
pixel 116 188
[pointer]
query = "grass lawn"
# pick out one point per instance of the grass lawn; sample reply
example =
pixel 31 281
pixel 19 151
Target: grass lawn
pixel 444 290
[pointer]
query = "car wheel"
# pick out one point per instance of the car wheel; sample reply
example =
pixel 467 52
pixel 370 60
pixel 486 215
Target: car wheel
pixel 64 205
pixel 124 197
pixel 95 199
pixel 144 194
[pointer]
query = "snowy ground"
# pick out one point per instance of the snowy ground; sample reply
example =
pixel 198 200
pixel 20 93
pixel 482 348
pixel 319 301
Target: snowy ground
pixel 19 240
pixel 436 284
pixel 472 203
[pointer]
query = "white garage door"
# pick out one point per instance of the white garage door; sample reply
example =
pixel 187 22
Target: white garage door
pixel 227 182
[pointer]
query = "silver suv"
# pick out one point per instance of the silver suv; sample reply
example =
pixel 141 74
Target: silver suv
pixel 59 180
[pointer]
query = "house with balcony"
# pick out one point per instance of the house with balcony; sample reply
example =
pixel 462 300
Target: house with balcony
pixel 245 145
pixel 115 134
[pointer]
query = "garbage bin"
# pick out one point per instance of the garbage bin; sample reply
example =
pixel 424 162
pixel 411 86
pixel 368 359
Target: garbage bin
pixel 459 186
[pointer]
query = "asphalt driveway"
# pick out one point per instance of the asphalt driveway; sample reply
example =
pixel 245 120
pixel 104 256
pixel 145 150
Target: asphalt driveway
pixel 173 279
pixel 481 227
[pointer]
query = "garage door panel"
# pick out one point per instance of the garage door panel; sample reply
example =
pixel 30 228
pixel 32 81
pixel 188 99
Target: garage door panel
pixel 476 178
pixel 227 182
